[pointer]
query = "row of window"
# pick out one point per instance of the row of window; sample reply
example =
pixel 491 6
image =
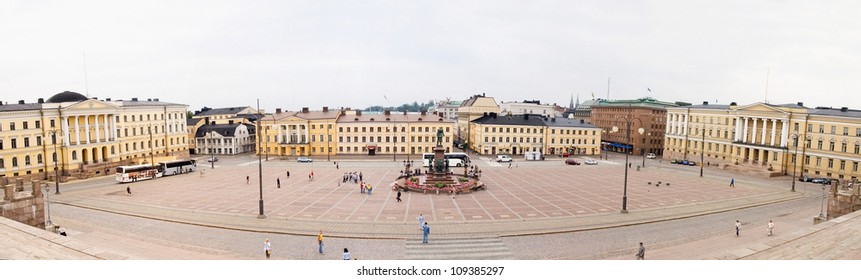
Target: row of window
pixel 388 129
pixel 388 139
pixel 13 142
pixel 25 125
pixel 833 129
pixel 27 160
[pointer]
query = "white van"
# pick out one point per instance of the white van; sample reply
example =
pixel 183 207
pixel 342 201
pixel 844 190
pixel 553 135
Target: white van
pixel 503 158
pixel 532 155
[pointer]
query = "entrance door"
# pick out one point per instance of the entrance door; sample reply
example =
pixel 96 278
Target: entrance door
pixel 513 150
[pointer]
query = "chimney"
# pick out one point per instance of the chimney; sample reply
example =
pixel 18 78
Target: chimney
pixel 41 100
pixel 95 98
pixel 844 109
pixel 493 115
pixel 304 110
pixel 405 112
pixel 553 119
pixel 155 99
pixel 206 120
pixel 387 112
pixel 149 99
pixel 424 112
pixel 107 99
pixel 325 109
pixel 230 122
pixel 358 112
pixel 582 121
pixel 525 116
pixel 278 110
pixel 134 99
pixel 800 104
pixel 485 114
pixel 20 101
pixel 705 103
pixel 482 94
pixel 733 104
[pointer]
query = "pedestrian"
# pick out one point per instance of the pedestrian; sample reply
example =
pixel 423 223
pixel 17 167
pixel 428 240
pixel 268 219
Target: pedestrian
pixel 360 177
pixel 267 248
pixel 346 255
pixel 320 241
pixel 362 187
pixel 425 232
pixel 399 195
pixel 201 173
pixel 509 164
pixel 737 227
pixel 732 183
pixel 338 167
pixel 370 188
pixel 288 174
pixel 278 181
pixel 129 190
pixel 421 220
pixel 641 254
pixel 770 227
pixel 247 179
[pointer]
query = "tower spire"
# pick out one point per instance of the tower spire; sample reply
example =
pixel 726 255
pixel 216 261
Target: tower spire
pixel 578 102
pixel 571 104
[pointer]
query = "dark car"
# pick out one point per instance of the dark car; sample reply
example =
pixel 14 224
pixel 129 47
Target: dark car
pixel 820 181
pixel 571 161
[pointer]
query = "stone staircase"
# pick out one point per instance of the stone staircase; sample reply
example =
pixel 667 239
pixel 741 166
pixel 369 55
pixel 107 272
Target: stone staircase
pixel 749 169
pixel 472 248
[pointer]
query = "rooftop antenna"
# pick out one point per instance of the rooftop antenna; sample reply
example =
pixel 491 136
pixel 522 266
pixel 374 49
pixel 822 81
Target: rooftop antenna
pixel 767 73
pixel 608 87
pixel 86 82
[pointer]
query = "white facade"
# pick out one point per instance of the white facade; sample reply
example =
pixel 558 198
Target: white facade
pixel 520 108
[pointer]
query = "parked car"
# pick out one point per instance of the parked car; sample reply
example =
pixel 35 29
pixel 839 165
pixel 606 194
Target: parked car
pixel 571 161
pixel 304 159
pixel 591 162
pixel 651 156
pixel 820 181
pixel 691 163
pixel 566 154
pixel 503 158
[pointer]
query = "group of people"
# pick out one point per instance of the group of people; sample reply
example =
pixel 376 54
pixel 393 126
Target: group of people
pixel 353 177
pixel 267 248
pixel 769 229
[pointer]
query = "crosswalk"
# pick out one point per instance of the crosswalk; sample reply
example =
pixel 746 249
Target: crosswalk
pixel 469 248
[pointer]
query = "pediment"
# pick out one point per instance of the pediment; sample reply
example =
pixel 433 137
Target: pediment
pixel 90 105
pixel 761 108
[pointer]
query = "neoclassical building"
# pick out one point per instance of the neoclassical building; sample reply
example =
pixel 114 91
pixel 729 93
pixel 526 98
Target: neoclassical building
pixel 407 134
pixel 517 134
pixel 87 136
pixel 767 138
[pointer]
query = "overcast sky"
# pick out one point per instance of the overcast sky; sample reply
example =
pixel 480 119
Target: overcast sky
pixel 293 54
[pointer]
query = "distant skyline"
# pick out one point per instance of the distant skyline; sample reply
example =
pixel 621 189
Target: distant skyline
pixel 294 54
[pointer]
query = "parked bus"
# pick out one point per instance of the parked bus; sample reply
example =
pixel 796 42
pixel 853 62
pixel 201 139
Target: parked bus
pixel 135 173
pixel 454 159
pixel 178 167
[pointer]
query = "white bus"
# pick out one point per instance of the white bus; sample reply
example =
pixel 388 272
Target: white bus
pixel 454 159
pixel 178 167
pixel 135 173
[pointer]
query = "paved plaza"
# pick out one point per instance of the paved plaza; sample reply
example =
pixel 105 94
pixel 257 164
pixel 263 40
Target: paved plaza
pixel 527 198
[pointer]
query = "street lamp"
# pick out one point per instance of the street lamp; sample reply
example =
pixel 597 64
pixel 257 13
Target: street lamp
pixel 394 143
pixel 211 156
pixel 56 157
pixel 48 206
pixel 703 151
pixel 259 165
pixel 794 159
pixel 628 137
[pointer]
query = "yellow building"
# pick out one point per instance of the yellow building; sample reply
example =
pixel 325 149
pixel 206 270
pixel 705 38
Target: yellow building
pixel 471 109
pixel 762 138
pixel 302 133
pixel 392 133
pixel 518 134
pixel 87 137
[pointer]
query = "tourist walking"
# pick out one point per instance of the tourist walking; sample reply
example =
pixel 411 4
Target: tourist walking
pixel 247 179
pixel 346 255
pixel 320 241
pixel 425 232
pixel 288 174
pixel 360 176
pixel 278 182
pixel 641 254
pixel 770 227
pixel 267 248
pixel 421 220
pixel 129 190
pixel 362 187
pixel 732 182
pixel 737 227
pixel 370 188
pixel 399 195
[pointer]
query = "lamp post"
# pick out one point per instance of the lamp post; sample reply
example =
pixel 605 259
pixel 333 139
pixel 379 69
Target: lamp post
pixel 211 156
pixel 394 143
pixel 259 166
pixel 328 139
pixel 151 148
pixel 822 206
pixel 56 157
pixel 703 151
pixel 628 137
pixel 795 159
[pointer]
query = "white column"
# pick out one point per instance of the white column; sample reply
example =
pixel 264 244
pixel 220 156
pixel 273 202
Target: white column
pixel 764 129
pixel 669 123
pixel 65 124
pixel 753 132
pixel 783 132
pixel 77 131
pixel 280 134
pixel 737 136
pixel 114 127
pixel 98 130
pixel 744 135
pixel 773 132
pixel 107 128
pixel 307 135
pixel 87 128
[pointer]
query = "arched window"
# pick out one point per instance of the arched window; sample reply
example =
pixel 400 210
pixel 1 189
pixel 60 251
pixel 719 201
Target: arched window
pixel 14 162
pixel 2 163
pixel 74 155
pixel 39 159
pixel 54 156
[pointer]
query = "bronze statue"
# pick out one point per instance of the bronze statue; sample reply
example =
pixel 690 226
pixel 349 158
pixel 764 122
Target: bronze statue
pixel 439 135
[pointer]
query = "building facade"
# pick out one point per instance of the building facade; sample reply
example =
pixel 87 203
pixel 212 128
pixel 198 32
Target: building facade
pixel 225 139
pixel 301 133
pixel 527 107
pixel 647 119
pixel 87 137
pixel 517 134
pixel 768 139
pixel 471 109
pixel 403 133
